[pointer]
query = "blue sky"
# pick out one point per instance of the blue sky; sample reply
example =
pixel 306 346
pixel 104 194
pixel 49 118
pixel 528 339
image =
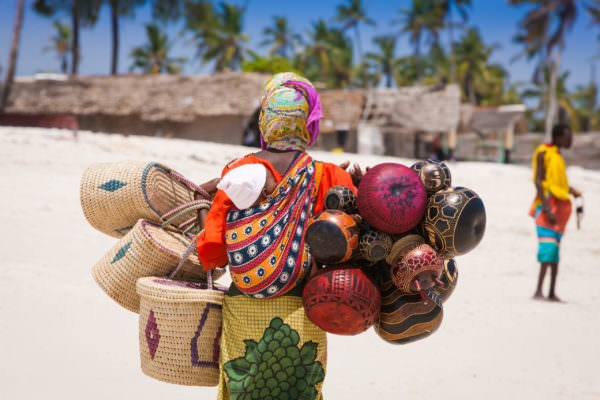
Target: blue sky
pixel 496 20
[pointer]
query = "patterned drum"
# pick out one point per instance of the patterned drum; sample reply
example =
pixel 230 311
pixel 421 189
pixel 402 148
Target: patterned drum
pixel 415 266
pixel 392 198
pixel 375 246
pixel 405 318
pixel 454 221
pixel 435 176
pixel 332 237
pixel 341 198
pixel 342 300
pixel 449 278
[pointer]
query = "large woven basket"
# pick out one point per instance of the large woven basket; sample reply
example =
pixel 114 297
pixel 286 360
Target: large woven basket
pixel 180 331
pixel 114 196
pixel 146 250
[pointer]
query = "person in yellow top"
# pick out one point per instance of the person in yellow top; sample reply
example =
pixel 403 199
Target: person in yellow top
pixel 552 206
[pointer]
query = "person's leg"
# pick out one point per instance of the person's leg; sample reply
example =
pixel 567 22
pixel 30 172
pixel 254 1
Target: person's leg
pixel 538 292
pixel 553 272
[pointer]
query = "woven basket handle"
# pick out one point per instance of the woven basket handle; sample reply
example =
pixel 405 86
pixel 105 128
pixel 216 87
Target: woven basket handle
pixel 177 212
pixel 191 185
pixel 185 257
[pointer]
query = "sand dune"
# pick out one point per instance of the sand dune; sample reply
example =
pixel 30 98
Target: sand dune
pixel 62 338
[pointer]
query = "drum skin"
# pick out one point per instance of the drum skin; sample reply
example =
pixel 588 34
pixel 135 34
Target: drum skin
pixel 332 237
pixel 454 221
pixel 391 198
pixel 342 300
pixel 341 198
pixel 449 277
pixel 405 318
pixel 375 246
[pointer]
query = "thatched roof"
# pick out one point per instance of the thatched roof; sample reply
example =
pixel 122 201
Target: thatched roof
pixel 490 121
pixel 152 97
pixel 181 98
pixel 341 109
pixel 417 108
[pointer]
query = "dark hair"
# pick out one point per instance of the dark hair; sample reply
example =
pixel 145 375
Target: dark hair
pixel 558 130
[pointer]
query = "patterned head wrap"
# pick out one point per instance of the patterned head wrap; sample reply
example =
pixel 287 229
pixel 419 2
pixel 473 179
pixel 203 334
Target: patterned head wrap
pixel 290 112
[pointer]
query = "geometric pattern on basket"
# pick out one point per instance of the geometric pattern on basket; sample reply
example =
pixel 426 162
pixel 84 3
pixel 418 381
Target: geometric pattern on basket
pixel 152 334
pixel 214 363
pixel 121 252
pixel 112 185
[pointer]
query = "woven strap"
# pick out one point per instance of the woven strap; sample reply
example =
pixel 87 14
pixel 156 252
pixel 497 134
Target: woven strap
pixel 185 257
pixel 191 185
pixel 177 212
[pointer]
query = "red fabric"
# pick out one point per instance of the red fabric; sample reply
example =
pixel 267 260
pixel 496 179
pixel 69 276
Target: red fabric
pixel 561 210
pixel 211 243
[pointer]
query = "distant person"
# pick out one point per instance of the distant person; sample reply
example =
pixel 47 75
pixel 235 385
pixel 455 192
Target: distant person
pixel 552 206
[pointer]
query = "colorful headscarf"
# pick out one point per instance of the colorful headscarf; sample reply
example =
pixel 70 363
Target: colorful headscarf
pixel 290 112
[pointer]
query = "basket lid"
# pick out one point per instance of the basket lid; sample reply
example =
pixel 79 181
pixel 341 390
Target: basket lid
pixel 169 290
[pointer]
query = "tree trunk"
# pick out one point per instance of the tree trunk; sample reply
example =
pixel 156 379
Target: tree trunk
pixel 551 113
pixel 75 50
pixel 360 57
pixel 388 80
pixel 115 37
pixel 63 63
pixel 12 58
pixel 452 60
pixel 418 58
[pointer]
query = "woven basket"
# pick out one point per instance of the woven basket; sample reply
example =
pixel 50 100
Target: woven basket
pixel 146 250
pixel 180 331
pixel 114 196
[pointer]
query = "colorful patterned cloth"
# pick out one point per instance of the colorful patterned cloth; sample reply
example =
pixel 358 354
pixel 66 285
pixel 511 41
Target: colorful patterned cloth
pixel 270 350
pixel 549 235
pixel 265 244
pixel 290 112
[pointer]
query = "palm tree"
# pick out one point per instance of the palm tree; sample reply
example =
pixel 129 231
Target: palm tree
pixel 281 38
pixel 472 56
pixel 61 44
pixel 446 13
pixel 422 18
pixel 564 100
pixel 119 8
pixel 384 61
pixel 542 32
pixel 84 12
pixel 153 57
pixel 351 14
pixel 12 58
pixel 218 33
pixel 327 57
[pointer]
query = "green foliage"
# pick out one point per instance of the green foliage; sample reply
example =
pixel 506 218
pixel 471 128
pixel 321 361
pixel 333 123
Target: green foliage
pixel 275 366
pixel 270 65
pixel 282 39
pixel 217 33
pixel 153 57
pixel 61 43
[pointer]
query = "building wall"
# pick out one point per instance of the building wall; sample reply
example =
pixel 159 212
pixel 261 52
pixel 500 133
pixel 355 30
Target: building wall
pixel 219 129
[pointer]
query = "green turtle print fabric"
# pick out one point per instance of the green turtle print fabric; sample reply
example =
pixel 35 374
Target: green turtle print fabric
pixel 283 355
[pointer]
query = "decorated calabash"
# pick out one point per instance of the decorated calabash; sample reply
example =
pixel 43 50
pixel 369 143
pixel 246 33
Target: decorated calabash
pixel 406 318
pixel 391 198
pixel 418 165
pixel 342 300
pixel 332 237
pixel 414 265
pixel 449 278
pixel 341 198
pixel 435 176
pixel 374 245
pixel 454 221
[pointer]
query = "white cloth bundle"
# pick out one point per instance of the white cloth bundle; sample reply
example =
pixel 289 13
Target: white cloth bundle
pixel 243 185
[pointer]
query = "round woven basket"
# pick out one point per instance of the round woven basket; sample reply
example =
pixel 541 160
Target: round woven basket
pixel 114 196
pixel 146 250
pixel 180 331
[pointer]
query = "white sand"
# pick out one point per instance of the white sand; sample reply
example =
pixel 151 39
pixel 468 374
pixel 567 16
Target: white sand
pixel 61 337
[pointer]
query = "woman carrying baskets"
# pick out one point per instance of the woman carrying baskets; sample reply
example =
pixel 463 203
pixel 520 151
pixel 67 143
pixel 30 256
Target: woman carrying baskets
pixel 269 348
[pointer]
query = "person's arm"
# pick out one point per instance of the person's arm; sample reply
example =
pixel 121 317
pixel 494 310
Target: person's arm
pixel 574 192
pixel 539 178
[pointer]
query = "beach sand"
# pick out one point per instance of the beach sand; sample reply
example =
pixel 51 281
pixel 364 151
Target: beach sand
pixel 61 337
